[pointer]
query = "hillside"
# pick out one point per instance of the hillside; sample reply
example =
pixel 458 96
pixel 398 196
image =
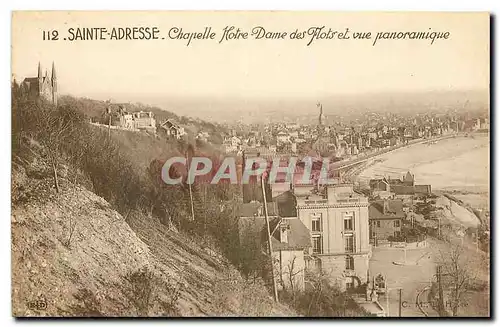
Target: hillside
pixel 94 233
pixel 95 109
pixel 74 251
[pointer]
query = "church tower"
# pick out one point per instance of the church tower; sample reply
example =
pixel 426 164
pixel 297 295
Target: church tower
pixel 54 85
pixel 320 118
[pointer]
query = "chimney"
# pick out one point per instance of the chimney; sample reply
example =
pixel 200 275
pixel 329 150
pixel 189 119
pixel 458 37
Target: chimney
pixel 386 207
pixel 259 211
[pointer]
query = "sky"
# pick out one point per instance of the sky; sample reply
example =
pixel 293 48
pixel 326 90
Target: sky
pixel 131 70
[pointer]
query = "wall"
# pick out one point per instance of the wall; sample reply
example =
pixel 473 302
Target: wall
pixel 386 228
pixel 335 267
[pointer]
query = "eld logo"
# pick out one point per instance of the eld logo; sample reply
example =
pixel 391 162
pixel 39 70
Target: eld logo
pixel 37 305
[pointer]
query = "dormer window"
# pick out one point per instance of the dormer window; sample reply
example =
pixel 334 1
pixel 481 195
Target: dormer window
pixel 284 234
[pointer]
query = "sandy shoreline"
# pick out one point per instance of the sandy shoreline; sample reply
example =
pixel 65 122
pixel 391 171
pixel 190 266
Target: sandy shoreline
pixel 459 164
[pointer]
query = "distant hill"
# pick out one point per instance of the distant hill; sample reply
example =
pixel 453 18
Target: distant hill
pixel 294 107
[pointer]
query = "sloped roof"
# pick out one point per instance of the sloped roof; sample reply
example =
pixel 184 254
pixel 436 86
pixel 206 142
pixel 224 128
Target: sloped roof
pixel 298 235
pixel 376 183
pixel 169 123
pixel 31 80
pixel 252 209
pixel 394 209
pixel 286 203
pixel 408 177
pixel 394 181
pixel 31 83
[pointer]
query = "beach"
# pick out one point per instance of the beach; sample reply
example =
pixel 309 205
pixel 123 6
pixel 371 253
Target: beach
pixel 457 164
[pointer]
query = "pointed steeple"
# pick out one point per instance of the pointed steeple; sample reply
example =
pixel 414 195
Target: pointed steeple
pixel 54 76
pixel 320 118
pixel 54 85
pixel 39 71
pixel 408 177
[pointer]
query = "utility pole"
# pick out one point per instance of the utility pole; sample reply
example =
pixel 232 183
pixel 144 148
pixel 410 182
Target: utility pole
pixel 404 249
pixel 109 127
pixel 189 186
pixel 387 299
pixel 108 112
pixel 400 303
pixel 477 240
pixel 439 227
pixel 440 291
pixel 270 245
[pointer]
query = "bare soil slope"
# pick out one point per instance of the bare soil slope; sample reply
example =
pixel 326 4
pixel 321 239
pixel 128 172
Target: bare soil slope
pixel 75 253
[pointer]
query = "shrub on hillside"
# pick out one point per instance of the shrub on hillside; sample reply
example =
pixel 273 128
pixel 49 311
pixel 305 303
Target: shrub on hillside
pixel 113 170
pixel 322 299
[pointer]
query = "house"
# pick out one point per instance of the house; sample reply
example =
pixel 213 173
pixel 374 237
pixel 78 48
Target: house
pixel 407 191
pixel 135 121
pixel 337 217
pixel 232 144
pixel 126 120
pixel 144 121
pixel 282 137
pixel 202 136
pixel 380 184
pixel 405 187
pixel 290 239
pixel 386 219
pixel 173 129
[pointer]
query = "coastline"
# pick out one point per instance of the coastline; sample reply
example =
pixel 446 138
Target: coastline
pixel 448 164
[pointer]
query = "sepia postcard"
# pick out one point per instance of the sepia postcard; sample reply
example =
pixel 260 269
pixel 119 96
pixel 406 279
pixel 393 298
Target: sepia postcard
pixel 250 164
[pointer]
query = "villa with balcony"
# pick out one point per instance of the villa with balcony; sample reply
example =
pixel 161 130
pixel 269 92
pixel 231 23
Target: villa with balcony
pixel 337 218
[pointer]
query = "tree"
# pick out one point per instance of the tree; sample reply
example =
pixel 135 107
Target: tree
pixel 291 270
pixel 54 127
pixel 457 273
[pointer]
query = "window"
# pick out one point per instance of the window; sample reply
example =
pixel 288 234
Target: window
pixel 396 223
pixel 378 223
pixel 317 248
pixel 349 221
pixel 349 263
pixel 349 243
pixel 349 284
pixel 316 222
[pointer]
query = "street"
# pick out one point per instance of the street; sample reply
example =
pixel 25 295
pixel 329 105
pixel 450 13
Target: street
pixel 411 278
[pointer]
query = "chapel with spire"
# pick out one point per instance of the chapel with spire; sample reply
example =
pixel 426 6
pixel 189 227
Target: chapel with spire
pixel 41 86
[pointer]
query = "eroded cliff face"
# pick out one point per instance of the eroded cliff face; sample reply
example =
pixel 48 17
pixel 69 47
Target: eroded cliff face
pixel 74 255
